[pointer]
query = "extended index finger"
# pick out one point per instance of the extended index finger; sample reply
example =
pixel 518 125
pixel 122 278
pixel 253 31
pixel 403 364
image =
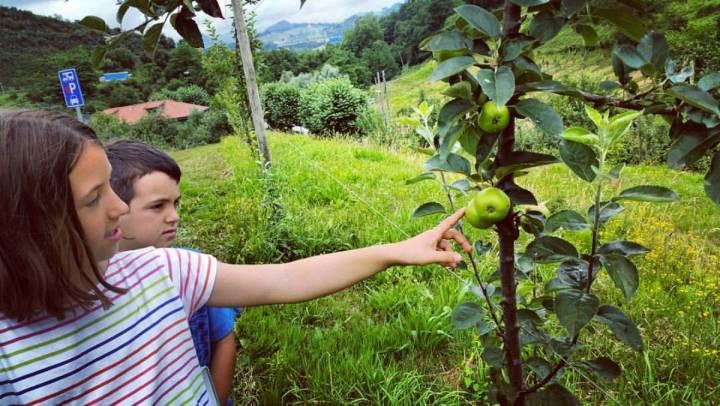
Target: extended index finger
pixel 450 221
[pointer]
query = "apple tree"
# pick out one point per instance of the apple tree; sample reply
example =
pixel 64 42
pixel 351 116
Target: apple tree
pixel 486 57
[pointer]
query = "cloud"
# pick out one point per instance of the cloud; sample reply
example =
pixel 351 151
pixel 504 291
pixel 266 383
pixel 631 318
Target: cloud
pixel 267 12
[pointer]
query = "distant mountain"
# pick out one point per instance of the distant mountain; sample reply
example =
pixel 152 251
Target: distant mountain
pixel 303 36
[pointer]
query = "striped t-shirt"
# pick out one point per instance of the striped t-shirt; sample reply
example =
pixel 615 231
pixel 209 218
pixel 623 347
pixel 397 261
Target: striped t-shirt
pixel 139 351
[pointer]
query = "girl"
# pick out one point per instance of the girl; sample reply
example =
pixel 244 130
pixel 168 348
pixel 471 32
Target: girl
pixel 80 323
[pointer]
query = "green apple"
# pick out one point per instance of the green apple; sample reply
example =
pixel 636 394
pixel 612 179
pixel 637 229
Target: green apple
pixel 487 207
pixel 493 118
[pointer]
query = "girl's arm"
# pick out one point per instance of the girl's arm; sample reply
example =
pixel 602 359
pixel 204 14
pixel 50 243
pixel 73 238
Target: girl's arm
pixel 310 278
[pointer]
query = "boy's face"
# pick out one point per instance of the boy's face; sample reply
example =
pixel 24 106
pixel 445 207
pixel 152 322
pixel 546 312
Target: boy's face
pixel 153 217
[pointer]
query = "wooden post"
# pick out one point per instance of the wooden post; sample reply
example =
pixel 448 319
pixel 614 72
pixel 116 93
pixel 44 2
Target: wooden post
pixel 251 81
pixel 386 99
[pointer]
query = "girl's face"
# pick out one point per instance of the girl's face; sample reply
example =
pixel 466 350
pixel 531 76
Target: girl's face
pixel 98 207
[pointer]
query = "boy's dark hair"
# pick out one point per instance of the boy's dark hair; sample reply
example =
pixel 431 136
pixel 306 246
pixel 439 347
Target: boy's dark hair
pixel 43 250
pixel 131 160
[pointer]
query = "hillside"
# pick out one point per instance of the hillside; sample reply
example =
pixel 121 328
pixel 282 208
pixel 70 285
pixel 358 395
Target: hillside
pixel 303 36
pixel 26 38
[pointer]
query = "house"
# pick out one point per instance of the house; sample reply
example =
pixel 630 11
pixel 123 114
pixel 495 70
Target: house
pixel 167 108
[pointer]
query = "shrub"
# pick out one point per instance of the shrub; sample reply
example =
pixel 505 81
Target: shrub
pixel 187 94
pixel 281 102
pixel 333 106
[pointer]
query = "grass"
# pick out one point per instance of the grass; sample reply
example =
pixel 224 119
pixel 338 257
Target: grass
pixel 388 340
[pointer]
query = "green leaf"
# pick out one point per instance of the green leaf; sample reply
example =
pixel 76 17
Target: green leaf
pixel 448 140
pixel 121 11
pixel 460 90
pixel 607 210
pixel 619 124
pixel 95 23
pixel 695 96
pixel 530 3
pixel 529 68
pixel 453 163
pixel 623 273
pixel 575 308
pixel 676 76
pixel 519 160
pixel 580 135
pixel 545 26
pixel 619 69
pixel 187 28
pixel 622 247
pixel 542 115
pixel 609 85
pixel 485 145
pixel 469 138
pixel 548 249
pixel 648 193
pixel 556 395
pixel 622 327
pixel 654 49
pixel 211 8
pixel 518 195
pixel 421 177
pixel 452 66
pixel 693 142
pixel 499 86
pixel 533 222
pixel 712 179
pixel 627 23
pixel 567 219
pixel 580 159
pixel 513 48
pixel 539 366
pixel 630 56
pixel 449 113
pixel 603 367
pixel 98 55
pixel 555 87
pixel 588 33
pixel 709 81
pixel 427 209
pixel 151 37
pixel 571 274
pixel 446 41
pixel 466 315
pixel 462 185
pixel 480 19
pixel 493 356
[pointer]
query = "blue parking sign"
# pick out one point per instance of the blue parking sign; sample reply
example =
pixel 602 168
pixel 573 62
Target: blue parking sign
pixel 70 84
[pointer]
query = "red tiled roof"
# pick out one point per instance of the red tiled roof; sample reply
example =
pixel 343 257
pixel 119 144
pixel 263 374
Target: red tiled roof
pixel 168 108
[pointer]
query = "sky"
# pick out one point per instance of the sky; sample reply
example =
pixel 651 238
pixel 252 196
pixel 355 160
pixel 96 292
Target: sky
pixel 268 12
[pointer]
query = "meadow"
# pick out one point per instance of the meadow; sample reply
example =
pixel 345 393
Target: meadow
pixel 389 340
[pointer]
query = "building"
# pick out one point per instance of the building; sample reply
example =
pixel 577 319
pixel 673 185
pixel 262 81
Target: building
pixel 168 108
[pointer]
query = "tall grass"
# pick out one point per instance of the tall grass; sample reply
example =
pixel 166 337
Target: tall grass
pixel 389 339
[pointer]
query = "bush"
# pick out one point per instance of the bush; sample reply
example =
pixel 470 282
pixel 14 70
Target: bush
pixel 186 94
pixel 282 103
pixel 198 129
pixel 333 106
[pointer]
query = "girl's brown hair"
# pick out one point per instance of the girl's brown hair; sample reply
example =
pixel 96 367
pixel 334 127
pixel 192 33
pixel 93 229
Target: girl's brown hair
pixel 46 265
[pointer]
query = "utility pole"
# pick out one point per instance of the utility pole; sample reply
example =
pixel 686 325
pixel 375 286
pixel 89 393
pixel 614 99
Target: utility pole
pixel 251 81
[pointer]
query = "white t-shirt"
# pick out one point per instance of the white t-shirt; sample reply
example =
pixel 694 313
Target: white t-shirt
pixel 138 351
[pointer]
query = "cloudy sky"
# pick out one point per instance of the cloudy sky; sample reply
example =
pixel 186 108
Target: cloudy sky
pixel 268 11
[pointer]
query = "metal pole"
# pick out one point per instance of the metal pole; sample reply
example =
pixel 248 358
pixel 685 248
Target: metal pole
pixel 79 114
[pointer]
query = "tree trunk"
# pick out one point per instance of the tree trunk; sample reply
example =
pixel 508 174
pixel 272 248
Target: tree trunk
pixel 507 232
pixel 251 81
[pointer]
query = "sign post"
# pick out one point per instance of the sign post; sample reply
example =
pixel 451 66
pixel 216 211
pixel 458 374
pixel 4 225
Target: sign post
pixel 70 84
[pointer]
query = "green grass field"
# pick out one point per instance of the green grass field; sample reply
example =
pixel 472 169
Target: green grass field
pixel 389 340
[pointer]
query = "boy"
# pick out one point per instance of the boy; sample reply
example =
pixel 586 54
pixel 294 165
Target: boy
pixel 147 180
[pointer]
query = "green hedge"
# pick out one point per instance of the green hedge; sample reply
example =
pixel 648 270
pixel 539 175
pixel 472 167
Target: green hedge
pixel 325 108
